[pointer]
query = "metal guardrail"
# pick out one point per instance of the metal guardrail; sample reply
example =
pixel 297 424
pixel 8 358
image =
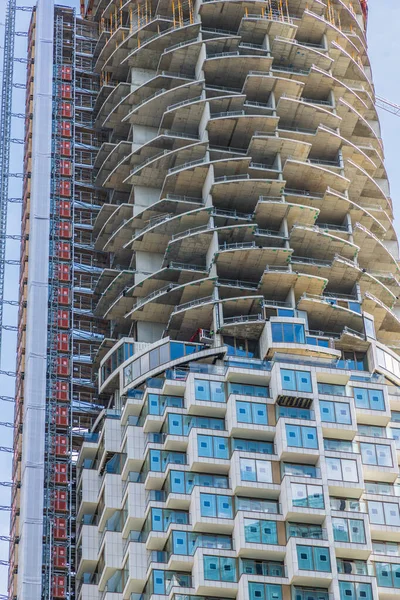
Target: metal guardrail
pixel 238 283
pixel 156 293
pixel 183 198
pixel 244 319
pixel 231 177
pixel 186 266
pixel 200 228
pixel 181 44
pixel 184 102
pixel 198 301
pixel 191 163
pixel 306 193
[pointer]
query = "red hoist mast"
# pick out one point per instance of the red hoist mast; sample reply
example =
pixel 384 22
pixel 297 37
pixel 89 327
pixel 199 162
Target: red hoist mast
pixel 364 8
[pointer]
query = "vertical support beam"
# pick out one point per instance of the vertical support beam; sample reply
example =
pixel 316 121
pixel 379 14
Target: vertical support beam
pixel 33 442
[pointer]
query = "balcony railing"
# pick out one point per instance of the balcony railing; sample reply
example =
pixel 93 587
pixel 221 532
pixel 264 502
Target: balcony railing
pixel 199 229
pixel 291 412
pixel 344 505
pixel 306 532
pixel 244 319
pixel 192 303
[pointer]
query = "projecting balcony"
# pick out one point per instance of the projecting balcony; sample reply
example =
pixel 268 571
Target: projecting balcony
pixel 128 50
pixel 306 113
pixel 108 114
pixel 156 41
pixel 166 279
pixel 154 166
pixel 300 55
pixel 311 20
pixel 341 272
pixel 163 302
pixel 270 212
pixel 386 321
pixel 247 424
pixel 231 68
pixel 370 283
pixel 181 244
pixel 114 289
pixel 243 317
pixel 237 127
pixel 142 97
pixel 117 44
pixel 120 224
pixel 254 24
pixel 149 111
pixel 109 156
pixel 345 66
pixel 159 231
pixel 314 174
pixel 355 125
pixel 389 280
pixel 247 260
pixel 255 476
pixel 332 313
pixel 259 84
pixel 320 243
pixel 240 191
pixel 373 254
pixel 108 220
pixel 276 283
pixel 189 317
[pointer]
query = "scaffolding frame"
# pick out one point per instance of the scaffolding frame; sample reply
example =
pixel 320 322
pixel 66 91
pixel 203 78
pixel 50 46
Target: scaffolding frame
pixel 5 136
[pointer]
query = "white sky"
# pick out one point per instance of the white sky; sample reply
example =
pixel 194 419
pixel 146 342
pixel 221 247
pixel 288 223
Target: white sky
pixel 384 50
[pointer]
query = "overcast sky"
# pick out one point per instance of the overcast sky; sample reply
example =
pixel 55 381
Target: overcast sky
pixel 384 49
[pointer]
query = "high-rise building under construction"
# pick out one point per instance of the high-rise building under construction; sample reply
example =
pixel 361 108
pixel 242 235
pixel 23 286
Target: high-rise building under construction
pixel 208 390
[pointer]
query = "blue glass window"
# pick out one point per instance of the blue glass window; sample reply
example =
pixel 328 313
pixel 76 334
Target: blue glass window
pixel 179 542
pixel 159 581
pixel 177 350
pixel 253 446
pixel 209 391
pixel 183 482
pixel 388 574
pixel 264 591
pixel 299 381
pixel 355 591
pixel 348 530
pixel 218 568
pixel 252 412
pixel 371 399
pixel 260 532
pixel 308 496
pixel 332 389
pixel 313 558
pixel 291 333
pixel 212 446
pixel 245 389
pixel 216 505
pixel 255 470
pixel 335 412
pixel 301 436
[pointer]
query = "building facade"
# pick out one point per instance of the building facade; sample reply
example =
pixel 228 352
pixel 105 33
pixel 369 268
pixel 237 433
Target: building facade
pixel 234 282
pixel 250 450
